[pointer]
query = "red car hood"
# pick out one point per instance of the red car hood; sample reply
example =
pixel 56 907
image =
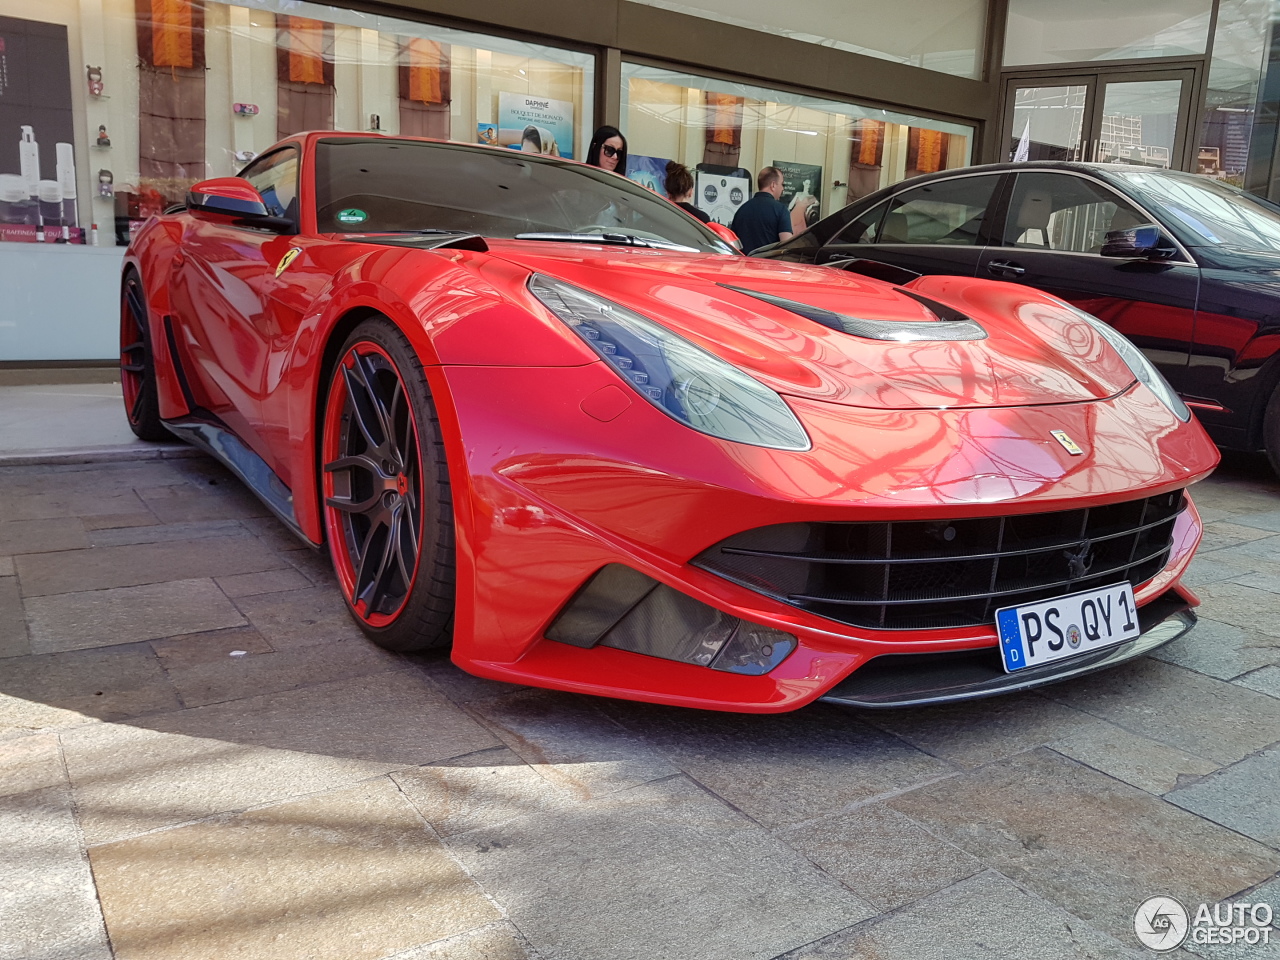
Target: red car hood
pixel 1035 352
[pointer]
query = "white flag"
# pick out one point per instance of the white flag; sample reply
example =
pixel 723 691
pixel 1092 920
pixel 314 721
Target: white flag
pixel 1021 155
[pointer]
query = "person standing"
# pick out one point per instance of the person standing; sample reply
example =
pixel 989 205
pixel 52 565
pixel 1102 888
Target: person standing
pixel 679 187
pixel 763 219
pixel 608 150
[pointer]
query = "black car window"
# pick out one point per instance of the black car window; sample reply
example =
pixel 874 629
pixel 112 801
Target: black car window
pixel 863 228
pixel 1059 211
pixel 388 185
pixel 943 211
pixel 275 177
pixel 1214 213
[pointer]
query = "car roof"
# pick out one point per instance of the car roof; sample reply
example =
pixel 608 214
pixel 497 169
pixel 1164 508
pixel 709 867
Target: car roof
pixel 1105 170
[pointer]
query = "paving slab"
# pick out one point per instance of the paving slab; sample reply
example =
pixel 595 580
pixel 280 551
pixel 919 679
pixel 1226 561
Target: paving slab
pixel 350 874
pixel 1266 680
pixel 1221 650
pixel 1225 533
pixel 478 790
pixel 1205 717
pixel 273 533
pixel 194 649
pixel 21 718
pixel 458 685
pixel 110 683
pixel 661 870
pixel 783 768
pixel 571 742
pixel 30 763
pixel 498 941
pixel 297 619
pixel 217 498
pixel 977 732
pixel 269 581
pixel 166 532
pixel 13 620
pixel 227 757
pixel 98 618
pixel 236 676
pixel 1244 796
pixel 7 569
pixel 1233 602
pixel 42 536
pixel 47 895
pixel 983 918
pixel 1084 841
pixel 1145 763
pixel 884 857
pixel 102 568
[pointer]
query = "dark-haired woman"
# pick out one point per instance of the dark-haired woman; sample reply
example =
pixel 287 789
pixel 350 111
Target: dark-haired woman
pixel 608 150
pixel 679 187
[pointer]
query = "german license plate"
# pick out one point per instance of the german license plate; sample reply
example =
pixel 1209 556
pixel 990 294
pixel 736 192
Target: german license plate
pixel 1038 633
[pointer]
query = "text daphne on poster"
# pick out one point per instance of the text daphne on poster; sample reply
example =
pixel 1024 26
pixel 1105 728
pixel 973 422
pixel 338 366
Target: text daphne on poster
pixel 535 124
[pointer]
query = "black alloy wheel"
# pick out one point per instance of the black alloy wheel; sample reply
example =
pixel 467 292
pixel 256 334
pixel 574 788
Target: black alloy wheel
pixel 137 367
pixel 387 506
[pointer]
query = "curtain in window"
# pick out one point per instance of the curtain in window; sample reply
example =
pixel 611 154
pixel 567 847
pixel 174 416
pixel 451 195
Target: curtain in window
pixel 425 88
pixel 866 157
pixel 926 150
pixel 171 104
pixel 304 75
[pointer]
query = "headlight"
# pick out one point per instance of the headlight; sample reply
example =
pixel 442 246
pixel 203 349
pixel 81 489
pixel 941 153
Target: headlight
pixel 1142 367
pixel 682 380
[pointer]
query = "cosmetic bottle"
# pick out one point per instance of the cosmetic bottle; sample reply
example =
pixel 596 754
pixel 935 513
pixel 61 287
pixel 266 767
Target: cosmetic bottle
pixel 67 183
pixel 50 210
pixel 29 160
pixel 15 204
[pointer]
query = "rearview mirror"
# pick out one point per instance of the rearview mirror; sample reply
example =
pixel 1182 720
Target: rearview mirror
pixel 234 201
pixel 1144 242
pixel 725 234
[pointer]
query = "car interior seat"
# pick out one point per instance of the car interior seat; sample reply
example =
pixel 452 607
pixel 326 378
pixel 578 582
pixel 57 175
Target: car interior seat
pixel 1031 220
pixel 895 228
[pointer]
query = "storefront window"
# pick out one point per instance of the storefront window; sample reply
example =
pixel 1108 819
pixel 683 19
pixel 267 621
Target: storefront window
pixel 942 35
pixel 1050 31
pixel 830 153
pixel 176 91
pixel 1240 45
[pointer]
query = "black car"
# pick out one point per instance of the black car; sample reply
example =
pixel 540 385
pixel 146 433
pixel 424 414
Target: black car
pixel 1188 268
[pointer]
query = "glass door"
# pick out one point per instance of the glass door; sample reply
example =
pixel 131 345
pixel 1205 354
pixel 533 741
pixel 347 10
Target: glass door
pixel 1105 117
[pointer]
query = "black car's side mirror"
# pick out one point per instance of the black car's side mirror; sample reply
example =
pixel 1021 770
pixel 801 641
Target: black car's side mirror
pixel 1145 242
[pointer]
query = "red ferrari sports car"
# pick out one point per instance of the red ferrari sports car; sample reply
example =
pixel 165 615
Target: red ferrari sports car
pixel 538 412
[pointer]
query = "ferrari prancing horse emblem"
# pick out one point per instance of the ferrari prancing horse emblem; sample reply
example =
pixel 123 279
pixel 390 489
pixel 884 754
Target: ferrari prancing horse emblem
pixel 287 259
pixel 1068 444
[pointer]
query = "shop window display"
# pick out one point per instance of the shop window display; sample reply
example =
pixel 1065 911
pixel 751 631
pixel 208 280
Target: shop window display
pixel 830 153
pixel 118 106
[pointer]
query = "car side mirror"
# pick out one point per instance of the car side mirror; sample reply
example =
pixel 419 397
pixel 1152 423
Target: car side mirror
pixel 725 234
pixel 234 201
pixel 1144 242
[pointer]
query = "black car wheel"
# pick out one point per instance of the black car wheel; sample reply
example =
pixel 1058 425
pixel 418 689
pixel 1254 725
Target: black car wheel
pixel 137 368
pixel 387 505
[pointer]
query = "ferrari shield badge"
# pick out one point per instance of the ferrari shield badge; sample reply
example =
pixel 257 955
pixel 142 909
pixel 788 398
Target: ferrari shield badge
pixel 287 259
pixel 1068 444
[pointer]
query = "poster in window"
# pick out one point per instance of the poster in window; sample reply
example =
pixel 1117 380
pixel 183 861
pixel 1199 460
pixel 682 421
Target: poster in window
pixel 801 192
pixel 37 153
pixel 720 195
pixel 535 124
pixel 649 172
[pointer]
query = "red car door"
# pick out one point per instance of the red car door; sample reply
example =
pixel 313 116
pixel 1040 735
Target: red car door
pixel 225 292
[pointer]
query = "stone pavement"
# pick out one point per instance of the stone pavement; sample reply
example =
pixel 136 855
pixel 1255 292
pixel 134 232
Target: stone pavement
pixel 201 757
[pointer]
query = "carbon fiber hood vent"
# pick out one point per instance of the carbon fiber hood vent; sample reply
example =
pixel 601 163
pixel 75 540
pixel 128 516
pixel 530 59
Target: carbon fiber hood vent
pixel 950 325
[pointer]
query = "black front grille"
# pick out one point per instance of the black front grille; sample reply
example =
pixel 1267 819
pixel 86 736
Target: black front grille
pixel 918 574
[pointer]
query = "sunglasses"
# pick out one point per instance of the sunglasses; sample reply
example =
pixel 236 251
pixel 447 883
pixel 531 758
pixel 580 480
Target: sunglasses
pixel 608 149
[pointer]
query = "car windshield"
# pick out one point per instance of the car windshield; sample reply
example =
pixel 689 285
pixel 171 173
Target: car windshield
pixel 386 185
pixel 1215 213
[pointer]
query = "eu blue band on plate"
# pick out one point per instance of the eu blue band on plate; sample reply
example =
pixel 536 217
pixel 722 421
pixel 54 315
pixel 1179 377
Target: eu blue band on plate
pixel 1010 638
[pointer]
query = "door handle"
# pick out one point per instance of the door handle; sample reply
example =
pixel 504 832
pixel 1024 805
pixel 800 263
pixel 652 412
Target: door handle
pixel 1005 268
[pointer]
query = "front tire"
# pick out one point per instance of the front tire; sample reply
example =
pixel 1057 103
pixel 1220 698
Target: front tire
pixel 1271 430
pixel 137 363
pixel 387 507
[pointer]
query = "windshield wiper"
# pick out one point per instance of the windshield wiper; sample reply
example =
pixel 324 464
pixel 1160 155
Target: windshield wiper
pixel 618 239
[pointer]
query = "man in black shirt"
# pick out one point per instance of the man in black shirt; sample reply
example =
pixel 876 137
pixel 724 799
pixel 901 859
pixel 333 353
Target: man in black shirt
pixel 763 219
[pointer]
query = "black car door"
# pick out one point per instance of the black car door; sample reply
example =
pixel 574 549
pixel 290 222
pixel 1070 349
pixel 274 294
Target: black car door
pixel 1053 233
pixel 939 227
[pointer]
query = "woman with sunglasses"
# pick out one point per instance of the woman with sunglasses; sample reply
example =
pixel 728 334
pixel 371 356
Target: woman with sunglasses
pixel 608 150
